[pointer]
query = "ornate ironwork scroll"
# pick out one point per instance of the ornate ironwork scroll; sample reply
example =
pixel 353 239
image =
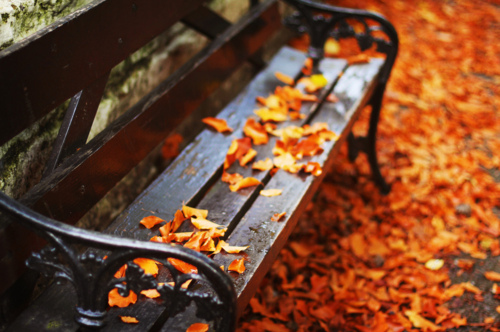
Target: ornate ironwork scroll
pixel 93 276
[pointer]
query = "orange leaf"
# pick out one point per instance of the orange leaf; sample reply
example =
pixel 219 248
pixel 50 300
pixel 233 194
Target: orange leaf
pixel 263 165
pixel 182 266
pixel 244 183
pixel 178 219
pixel 181 237
pixel 231 249
pixel 256 132
pixel 150 293
pixel 121 271
pixel 148 265
pixel 278 216
pixel 202 223
pixel 284 78
pixel 313 167
pixel 266 114
pixel 189 212
pixel 151 221
pixel 198 327
pixel 218 124
pixel 271 192
pixel 231 178
pixel 129 319
pixel 357 59
pixel 421 322
pixel 115 299
pixel 237 266
pixel 491 275
pixel 248 157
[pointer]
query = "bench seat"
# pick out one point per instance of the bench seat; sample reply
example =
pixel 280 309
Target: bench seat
pixel 194 179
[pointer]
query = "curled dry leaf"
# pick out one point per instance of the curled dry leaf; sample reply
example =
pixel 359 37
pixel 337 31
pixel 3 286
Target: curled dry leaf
pixel 256 132
pixel 202 223
pixel 284 78
pixel 116 300
pixel 248 157
pixel 266 114
pixel 129 319
pixel 263 165
pixel 190 212
pixel 182 266
pixel 313 167
pixel 148 265
pixel 231 178
pixel 434 264
pixel 218 124
pixel 271 192
pixel 151 221
pixel 237 265
pixel 231 249
pixel 198 327
pixel 244 183
pixel 150 293
pixel 491 275
pixel 278 216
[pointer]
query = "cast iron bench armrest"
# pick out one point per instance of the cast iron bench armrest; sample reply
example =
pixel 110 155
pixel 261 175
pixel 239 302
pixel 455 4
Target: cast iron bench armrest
pixel 93 275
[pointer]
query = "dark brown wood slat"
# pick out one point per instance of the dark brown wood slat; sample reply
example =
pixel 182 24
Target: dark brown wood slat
pixel 266 238
pixel 108 30
pixel 185 180
pixel 84 178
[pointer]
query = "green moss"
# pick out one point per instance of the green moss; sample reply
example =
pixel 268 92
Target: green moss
pixel 5 17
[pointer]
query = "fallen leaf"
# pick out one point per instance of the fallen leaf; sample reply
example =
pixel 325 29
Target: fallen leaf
pixel 278 216
pixel 148 265
pixel 190 212
pixel 170 148
pixel 263 165
pixel 182 266
pixel 151 221
pixel 202 223
pixel 218 124
pixel 231 249
pixel 150 293
pixel 129 319
pixel 271 192
pixel 434 264
pixel 284 78
pixel 256 132
pixel 116 300
pixel 244 183
pixel 198 327
pixel 491 275
pixel 237 266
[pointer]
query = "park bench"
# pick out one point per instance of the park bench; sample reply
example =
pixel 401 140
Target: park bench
pixel 72 58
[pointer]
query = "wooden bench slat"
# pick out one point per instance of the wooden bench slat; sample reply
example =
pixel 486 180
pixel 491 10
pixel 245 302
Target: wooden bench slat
pixel 266 237
pixel 109 31
pixel 83 179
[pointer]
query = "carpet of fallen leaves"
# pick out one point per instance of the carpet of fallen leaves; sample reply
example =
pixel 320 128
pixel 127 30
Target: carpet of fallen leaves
pixel 422 257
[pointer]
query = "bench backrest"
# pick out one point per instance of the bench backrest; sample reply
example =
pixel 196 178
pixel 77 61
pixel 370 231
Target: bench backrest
pixel 72 58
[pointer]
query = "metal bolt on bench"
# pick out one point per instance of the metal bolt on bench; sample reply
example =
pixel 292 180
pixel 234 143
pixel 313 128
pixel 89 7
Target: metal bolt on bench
pixel 79 174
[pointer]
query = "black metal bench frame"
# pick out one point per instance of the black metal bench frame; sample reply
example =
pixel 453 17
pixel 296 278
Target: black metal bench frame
pixel 92 275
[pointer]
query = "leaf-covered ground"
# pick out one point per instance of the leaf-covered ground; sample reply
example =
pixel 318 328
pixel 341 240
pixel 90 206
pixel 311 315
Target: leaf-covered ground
pixel 359 261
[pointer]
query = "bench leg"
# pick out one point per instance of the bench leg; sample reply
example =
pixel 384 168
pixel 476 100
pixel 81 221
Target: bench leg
pixel 367 144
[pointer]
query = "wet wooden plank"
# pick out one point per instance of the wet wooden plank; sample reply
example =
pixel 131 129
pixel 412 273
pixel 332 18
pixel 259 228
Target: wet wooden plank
pixel 265 237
